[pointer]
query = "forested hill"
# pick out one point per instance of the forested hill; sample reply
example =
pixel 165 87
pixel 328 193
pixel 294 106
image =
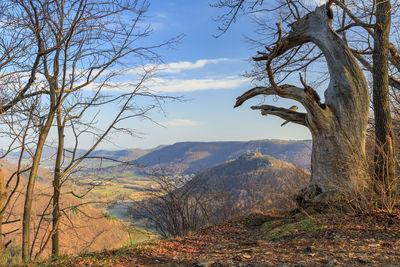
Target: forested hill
pixel 272 183
pixel 191 157
pixel 254 169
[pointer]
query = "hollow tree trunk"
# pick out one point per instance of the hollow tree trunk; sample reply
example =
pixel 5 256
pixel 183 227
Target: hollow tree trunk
pixel 338 126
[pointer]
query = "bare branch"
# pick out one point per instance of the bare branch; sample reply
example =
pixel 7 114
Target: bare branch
pixel 287 91
pixel 286 114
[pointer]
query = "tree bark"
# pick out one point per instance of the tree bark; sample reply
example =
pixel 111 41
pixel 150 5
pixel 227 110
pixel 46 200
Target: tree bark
pixel 55 239
pixel 3 200
pixel 338 126
pixel 26 222
pixel 385 169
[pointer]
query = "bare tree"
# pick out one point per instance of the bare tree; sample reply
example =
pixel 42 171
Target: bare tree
pixel 19 62
pixel 176 206
pixel 362 28
pixel 87 41
pixel 338 126
pixel 67 159
pixel 173 207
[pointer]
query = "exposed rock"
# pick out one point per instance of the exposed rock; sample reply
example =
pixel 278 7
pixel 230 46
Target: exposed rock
pixel 204 262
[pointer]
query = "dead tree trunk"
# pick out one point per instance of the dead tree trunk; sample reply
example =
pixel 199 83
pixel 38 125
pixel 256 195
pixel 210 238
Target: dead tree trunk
pixel 338 126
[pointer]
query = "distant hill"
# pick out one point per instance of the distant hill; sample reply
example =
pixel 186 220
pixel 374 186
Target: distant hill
pixel 49 155
pixel 254 179
pixel 121 155
pixel 192 157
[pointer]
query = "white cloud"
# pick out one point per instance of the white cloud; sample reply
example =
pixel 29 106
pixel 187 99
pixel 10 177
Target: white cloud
pixel 177 67
pixel 162 85
pixel 181 122
pixel 171 83
pixel 190 85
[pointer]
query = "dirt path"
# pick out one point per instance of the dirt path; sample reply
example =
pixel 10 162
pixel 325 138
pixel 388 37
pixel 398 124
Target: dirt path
pixel 265 240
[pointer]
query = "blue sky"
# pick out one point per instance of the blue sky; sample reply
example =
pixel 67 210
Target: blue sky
pixel 206 72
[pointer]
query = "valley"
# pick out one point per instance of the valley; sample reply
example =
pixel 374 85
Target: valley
pixel 130 181
pixel 111 183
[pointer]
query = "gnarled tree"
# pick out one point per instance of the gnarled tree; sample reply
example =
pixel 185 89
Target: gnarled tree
pixel 338 126
pixel 89 42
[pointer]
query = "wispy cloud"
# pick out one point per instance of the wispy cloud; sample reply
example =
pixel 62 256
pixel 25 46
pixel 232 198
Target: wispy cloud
pixel 177 67
pixel 171 83
pixel 190 85
pixel 162 85
pixel 181 122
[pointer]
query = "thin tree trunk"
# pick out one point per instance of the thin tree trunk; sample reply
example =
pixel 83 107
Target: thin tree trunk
pixel 385 169
pixel 26 221
pixel 57 187
pixel 3 200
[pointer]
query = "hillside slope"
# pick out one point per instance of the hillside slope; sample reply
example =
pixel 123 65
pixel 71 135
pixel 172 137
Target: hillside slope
pixel 254 181
pixel 82 227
